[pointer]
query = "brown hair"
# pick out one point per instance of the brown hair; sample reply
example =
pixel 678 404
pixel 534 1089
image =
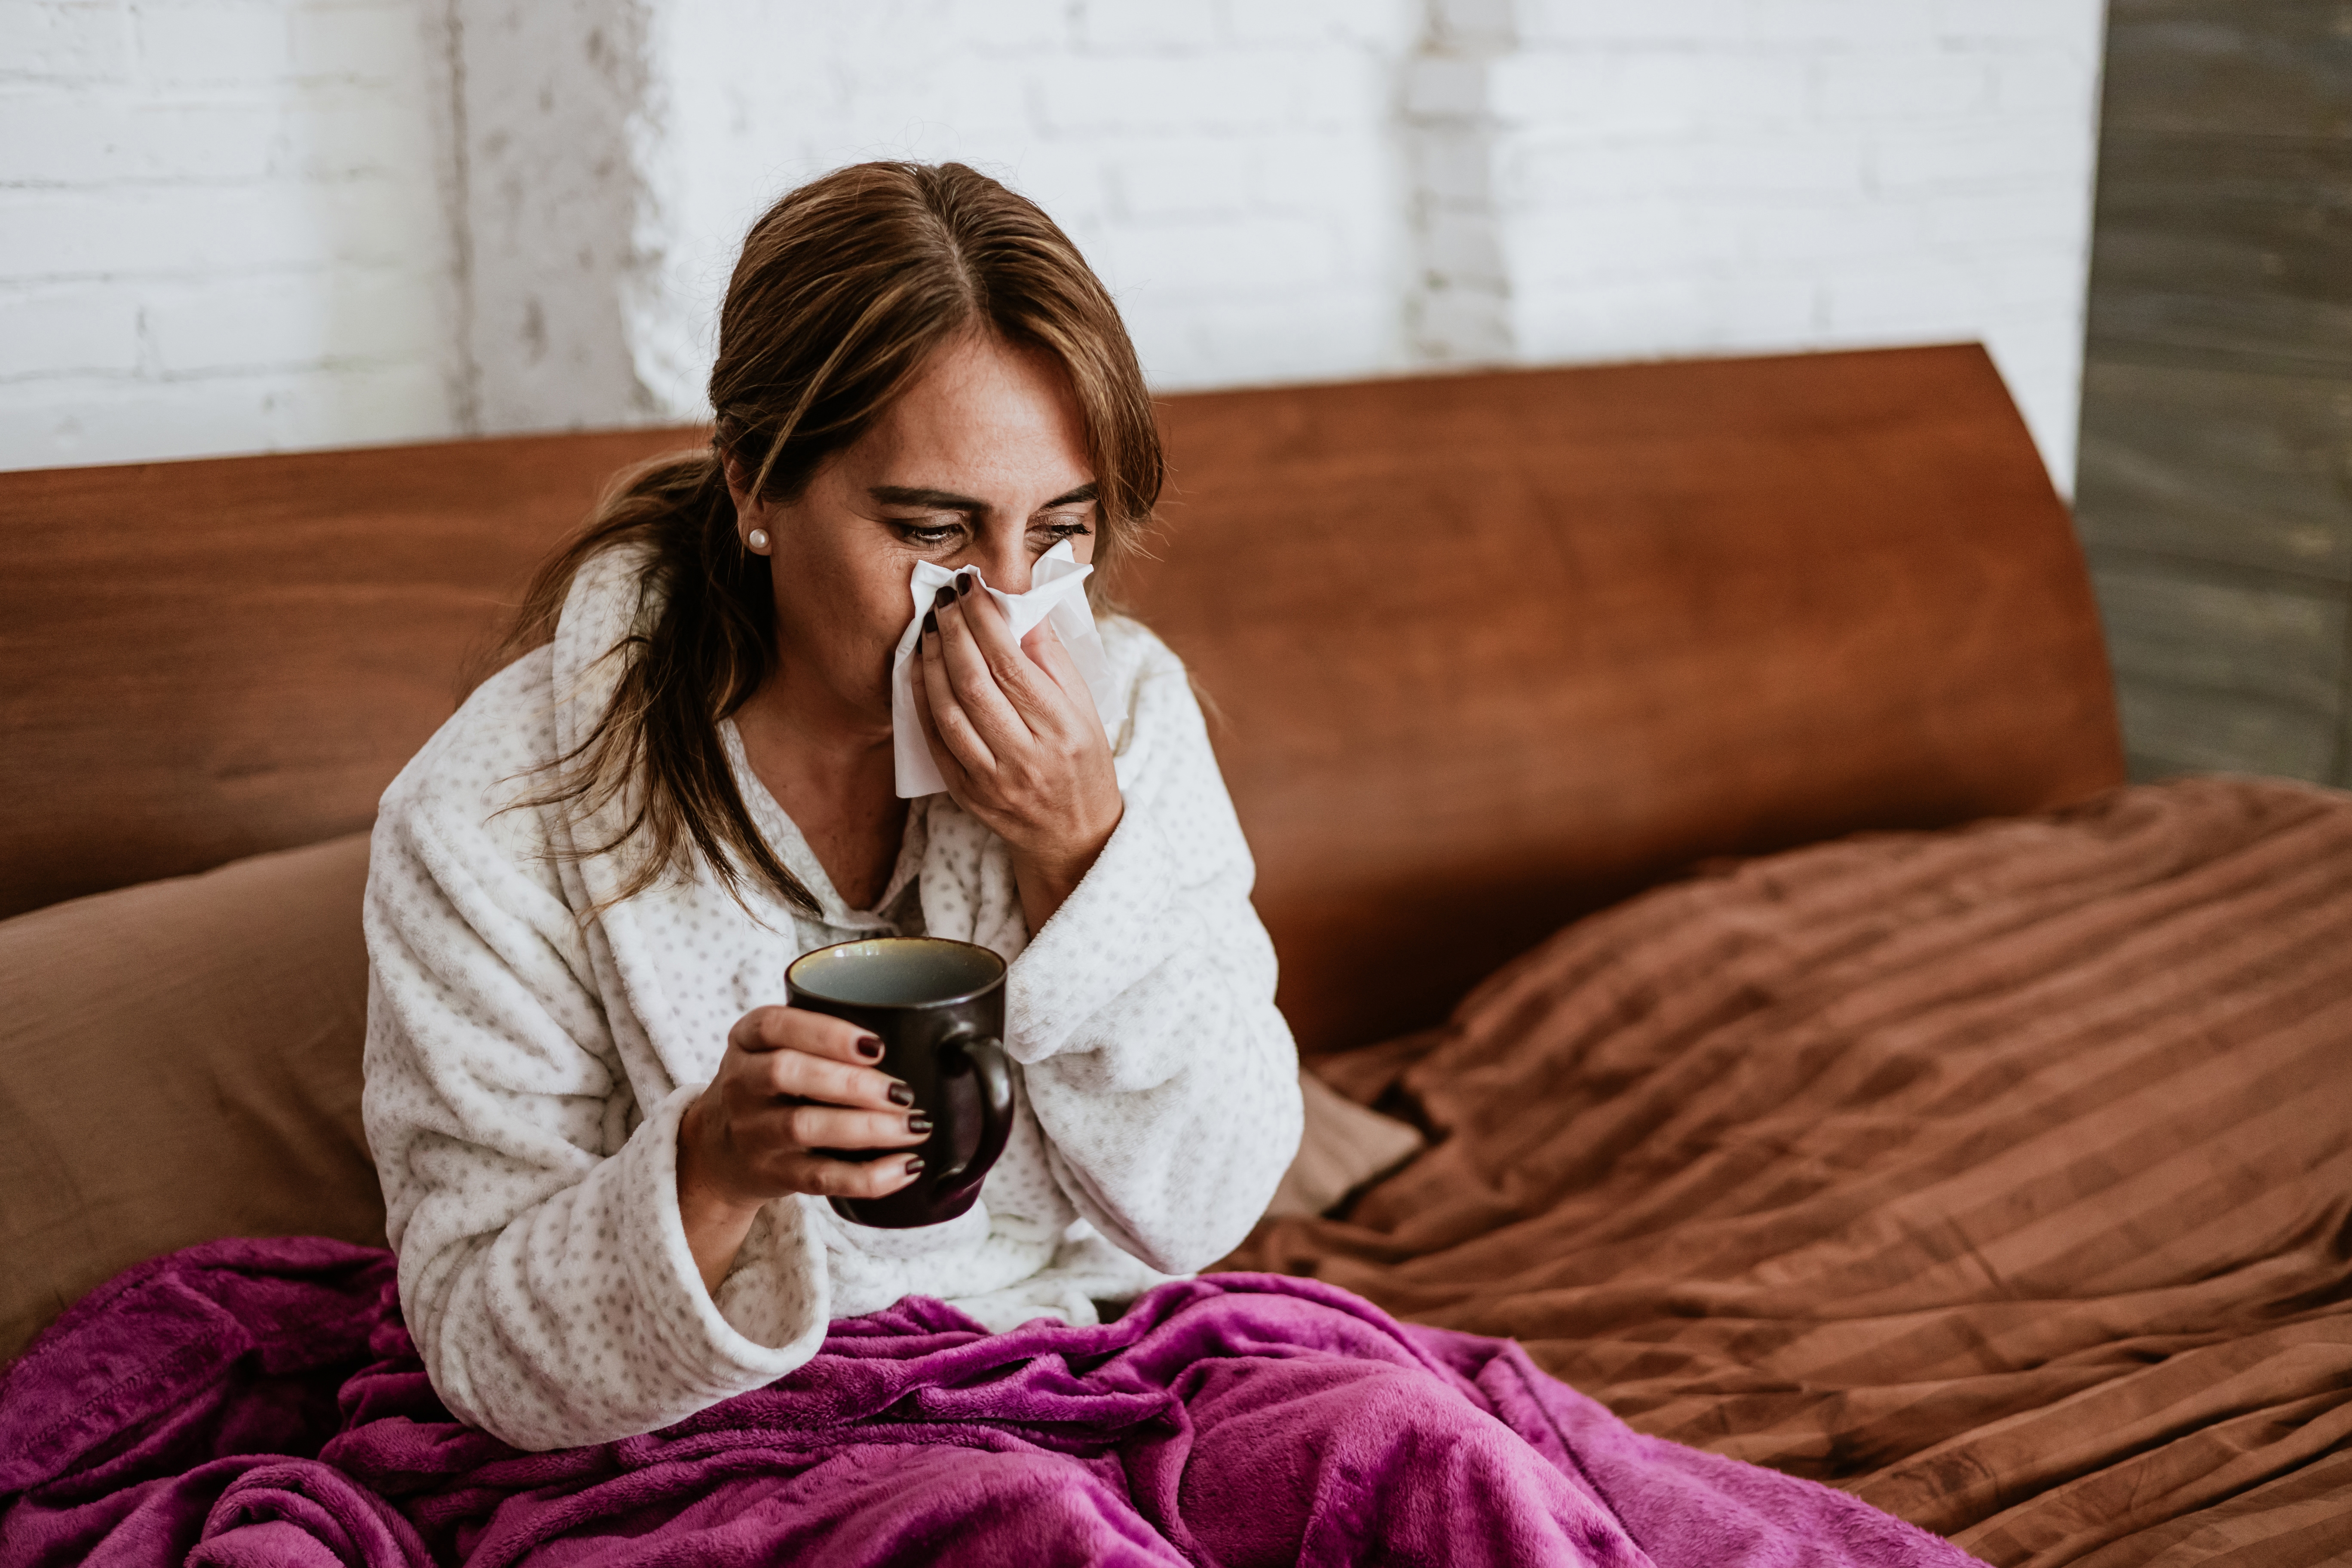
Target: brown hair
pixel 844 290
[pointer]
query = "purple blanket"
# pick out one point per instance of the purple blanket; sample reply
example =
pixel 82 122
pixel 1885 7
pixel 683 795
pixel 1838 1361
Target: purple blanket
pixel 251 1403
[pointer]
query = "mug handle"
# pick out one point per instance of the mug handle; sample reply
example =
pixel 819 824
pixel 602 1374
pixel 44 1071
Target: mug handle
pixel 986 1054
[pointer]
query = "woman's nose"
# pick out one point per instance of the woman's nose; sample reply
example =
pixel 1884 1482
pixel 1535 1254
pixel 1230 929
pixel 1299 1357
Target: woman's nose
pixel 1006 567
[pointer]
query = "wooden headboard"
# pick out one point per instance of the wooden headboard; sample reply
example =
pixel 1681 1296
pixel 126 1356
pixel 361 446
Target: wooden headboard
pixel 1486 650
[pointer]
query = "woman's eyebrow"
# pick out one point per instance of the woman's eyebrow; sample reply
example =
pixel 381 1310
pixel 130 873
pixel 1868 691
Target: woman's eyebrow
pixel 915 495
pixel 947 500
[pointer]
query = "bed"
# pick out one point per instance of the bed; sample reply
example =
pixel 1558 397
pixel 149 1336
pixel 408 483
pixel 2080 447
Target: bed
pixel 1689 792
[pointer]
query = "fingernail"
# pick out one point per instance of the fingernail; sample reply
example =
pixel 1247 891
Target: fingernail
pixel 869 1048
pixel 918 1124
pixel 964 579
pixel 901 1095
pixel 930 623
pixel 914 1164
pixel 944 597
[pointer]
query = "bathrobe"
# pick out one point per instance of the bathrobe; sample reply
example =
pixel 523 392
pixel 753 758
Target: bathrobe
pixel 527 1060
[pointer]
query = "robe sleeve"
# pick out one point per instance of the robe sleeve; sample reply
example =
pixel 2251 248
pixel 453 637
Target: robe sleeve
pixel 1143 1016
pixel 543 1267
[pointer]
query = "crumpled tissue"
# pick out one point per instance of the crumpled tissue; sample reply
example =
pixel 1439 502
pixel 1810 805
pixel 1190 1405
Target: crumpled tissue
pixel 1057 593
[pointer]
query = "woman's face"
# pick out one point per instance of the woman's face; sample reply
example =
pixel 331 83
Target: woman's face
pixel 981 463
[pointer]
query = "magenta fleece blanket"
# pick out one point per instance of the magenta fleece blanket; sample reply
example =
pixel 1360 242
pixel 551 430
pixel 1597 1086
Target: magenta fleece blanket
pixel 251 1403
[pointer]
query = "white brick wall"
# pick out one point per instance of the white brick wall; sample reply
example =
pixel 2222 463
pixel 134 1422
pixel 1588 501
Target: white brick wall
pixel 1233 171
pixel 236 223
pixel 221 229
pixel 1712 176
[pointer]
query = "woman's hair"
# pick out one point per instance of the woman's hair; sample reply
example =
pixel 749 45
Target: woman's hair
pixel 844 290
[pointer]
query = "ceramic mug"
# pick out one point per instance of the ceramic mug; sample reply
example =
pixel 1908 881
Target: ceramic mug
pixel 938 1007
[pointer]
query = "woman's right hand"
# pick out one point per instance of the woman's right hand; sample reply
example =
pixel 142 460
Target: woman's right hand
pixel 791 1083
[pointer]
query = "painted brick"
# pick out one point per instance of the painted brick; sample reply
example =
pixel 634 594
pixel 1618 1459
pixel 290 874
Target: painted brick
pixel 76 43
pixel 76 330
pixel 1249 255
pixel 1464 249
pixel 2054 83
pixel 337 133
pixel 1188 177
pixel 1841 24
pixel 1979 156
pixel 50 424
pixel 993 28
pixel 1150 24
pixel 392 403
pixel 1866 234
pixel 355 43
pixel 1157 94
pixel 1280 339
pixel 1621 241
pixel 1456 165
pixel 1446 88
pixel 2058 225
pixel 1668 317
pixel 1276 189
pixel 1550 169
pixel 348 314
pixel 1908 85
pixel 1464 326
pixel 1721 23
pixel 91 140
pixel 1385 24
pixel 1473 24
pixel 1350 180
pixel 2074 27
pixel 1634 92
pixel 213 44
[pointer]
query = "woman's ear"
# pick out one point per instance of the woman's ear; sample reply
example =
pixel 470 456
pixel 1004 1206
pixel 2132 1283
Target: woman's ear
pixel 737 490
pixel 751 512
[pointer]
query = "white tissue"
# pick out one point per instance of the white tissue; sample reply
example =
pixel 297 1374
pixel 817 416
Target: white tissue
pixel 1057 593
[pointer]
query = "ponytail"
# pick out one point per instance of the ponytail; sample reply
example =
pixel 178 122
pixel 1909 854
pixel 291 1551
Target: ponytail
pixel 712 642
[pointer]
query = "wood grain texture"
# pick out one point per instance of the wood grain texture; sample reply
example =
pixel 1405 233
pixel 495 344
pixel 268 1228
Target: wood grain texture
pixel 2236 468
pixel 2264 68
pixel 1489 650
pixel 209 659
pixel 2215 485
pixel 2226 674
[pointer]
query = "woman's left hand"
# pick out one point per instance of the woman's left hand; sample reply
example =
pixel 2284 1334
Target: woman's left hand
pixel 1016 735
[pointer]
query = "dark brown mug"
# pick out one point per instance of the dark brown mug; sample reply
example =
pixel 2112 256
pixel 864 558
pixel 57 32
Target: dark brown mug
pixel 938 1007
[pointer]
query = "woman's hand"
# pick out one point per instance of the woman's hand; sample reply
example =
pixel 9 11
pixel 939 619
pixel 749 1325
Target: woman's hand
pixel 1016 737
pixel 791 1083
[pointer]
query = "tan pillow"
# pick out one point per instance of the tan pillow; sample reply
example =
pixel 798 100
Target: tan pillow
pixel 1344 1146
pixel 180 1061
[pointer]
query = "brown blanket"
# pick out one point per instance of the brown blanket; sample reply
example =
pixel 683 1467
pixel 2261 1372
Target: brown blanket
pixel 2001 1176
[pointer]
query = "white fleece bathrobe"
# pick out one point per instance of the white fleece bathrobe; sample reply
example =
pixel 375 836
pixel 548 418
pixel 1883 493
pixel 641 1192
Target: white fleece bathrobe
pixel 526 1067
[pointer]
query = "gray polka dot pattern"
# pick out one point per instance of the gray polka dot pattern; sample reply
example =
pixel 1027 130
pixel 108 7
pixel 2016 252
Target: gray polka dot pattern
pixel 527 1068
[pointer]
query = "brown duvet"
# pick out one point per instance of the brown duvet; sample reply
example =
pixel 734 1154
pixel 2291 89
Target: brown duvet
pixel 2002 1176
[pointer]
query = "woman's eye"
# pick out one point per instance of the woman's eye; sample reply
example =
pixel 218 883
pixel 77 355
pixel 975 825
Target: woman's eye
pixel 1057 528
pixel 929 533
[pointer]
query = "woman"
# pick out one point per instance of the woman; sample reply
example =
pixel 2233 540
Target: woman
pixel 599 1131
pixel 595 1124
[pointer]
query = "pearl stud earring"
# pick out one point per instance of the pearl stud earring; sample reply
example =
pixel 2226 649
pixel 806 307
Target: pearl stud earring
pixel 757 539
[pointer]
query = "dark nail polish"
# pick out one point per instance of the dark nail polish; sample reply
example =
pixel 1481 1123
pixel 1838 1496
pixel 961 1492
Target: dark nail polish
pixel 944 597
pixel 901 1095
pixel 914 1164
pixel 869 1048
pixel 930 623
pixel 963 582
pixel 919 1124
